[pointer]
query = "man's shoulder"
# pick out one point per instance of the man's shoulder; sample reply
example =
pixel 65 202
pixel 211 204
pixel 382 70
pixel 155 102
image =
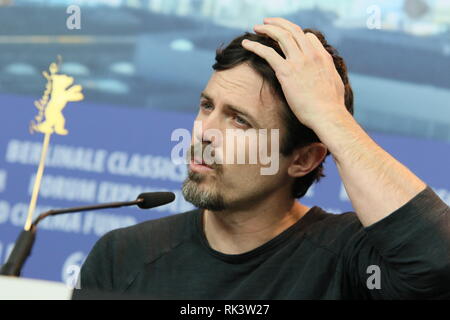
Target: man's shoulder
pixel 333 230
pixel 121 253
pixel 321 218
pixel 153 237
pixel 173 225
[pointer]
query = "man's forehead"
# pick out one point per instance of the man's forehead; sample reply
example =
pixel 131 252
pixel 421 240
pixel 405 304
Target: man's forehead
pixel 241 80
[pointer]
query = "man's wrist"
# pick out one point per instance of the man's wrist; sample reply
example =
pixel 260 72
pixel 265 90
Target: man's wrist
pixel 331 116
pixel 339 131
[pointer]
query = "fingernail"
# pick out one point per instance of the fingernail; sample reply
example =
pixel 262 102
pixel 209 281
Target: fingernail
pixel 246 42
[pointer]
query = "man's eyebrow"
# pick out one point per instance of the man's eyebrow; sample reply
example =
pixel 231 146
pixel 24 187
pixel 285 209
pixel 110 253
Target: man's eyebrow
pixel 233 108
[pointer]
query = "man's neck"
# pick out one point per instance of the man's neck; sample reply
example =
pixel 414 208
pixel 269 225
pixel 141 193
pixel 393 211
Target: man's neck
pixel 239 231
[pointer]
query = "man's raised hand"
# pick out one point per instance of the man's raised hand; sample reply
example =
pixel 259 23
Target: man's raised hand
pixel 310 82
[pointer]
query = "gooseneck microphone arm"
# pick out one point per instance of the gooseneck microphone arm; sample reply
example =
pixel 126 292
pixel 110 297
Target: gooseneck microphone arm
pixel 87 208
pixel 25 241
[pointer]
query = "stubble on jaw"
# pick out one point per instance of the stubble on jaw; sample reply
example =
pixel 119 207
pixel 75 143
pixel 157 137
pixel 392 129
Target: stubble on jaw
pixel 202 197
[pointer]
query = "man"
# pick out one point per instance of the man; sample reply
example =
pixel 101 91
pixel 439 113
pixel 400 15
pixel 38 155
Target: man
pixel 250 238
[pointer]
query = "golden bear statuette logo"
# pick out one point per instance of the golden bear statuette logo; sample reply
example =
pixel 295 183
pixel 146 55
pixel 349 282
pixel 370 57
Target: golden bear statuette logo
pixel 58 92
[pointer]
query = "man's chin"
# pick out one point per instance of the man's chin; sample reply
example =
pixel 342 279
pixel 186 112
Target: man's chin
pixel 201 195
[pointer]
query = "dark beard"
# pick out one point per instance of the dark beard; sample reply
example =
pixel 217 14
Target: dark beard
pixel 202 199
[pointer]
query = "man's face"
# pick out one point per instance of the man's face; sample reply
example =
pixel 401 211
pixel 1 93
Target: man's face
pixel 233 99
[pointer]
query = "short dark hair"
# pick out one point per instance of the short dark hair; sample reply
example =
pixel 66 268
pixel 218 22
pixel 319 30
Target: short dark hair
pixel 298 135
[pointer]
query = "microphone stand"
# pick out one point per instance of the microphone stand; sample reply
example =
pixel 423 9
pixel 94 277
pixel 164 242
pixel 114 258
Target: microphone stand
pixel 21 251
pixel 25 241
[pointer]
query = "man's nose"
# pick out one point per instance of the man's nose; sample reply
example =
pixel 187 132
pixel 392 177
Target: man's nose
pixel 208 130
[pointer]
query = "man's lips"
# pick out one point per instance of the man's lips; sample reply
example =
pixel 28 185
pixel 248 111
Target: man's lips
pixel 200 166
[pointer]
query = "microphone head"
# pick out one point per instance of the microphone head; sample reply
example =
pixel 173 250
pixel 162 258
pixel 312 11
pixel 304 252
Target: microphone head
pixel 155 199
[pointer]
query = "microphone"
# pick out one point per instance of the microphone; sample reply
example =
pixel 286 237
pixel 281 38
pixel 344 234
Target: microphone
pixel 25 241
pixel 154 199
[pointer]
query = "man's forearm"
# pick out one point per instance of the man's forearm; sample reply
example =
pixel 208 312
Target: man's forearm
pixel 376 183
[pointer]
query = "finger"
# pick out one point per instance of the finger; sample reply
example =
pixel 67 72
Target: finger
pixel 287 43
pixel 269 54
pixel 318 46
pixel 295 30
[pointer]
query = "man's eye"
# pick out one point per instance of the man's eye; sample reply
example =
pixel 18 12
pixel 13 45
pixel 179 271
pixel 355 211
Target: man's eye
pixel 241 121
pixel 206 106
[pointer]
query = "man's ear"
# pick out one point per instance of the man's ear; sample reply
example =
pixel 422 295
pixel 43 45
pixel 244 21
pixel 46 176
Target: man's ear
pixel 306 159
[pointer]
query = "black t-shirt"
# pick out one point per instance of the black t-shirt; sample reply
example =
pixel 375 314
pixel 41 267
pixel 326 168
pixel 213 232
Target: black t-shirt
pixel 322 256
